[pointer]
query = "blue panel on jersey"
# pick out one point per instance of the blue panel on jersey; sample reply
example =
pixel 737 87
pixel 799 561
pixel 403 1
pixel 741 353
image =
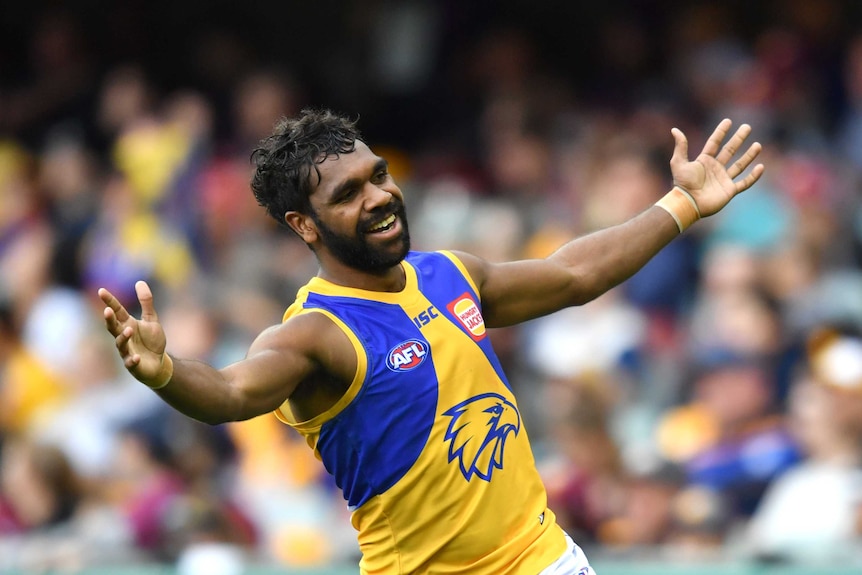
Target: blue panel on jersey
pixel 377 438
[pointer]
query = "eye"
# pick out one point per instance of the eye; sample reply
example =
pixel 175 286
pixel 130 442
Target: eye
pixel 346 195
pixel 380 177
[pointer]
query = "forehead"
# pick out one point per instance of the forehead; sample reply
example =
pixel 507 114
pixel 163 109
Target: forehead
pixel 334 170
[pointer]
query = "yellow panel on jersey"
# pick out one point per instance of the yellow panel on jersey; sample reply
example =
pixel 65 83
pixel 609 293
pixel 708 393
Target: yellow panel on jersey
pixel 428 445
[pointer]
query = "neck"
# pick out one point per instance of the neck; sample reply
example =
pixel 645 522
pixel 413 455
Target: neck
pixel 390 280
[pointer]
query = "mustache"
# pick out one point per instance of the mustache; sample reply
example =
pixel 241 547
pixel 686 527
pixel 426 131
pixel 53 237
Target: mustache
pixel 393 207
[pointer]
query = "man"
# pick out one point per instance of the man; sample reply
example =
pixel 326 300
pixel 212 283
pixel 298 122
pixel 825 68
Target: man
pixel 383 361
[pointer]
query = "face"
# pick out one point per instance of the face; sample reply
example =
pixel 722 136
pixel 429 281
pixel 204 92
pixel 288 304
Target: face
pixel 358 212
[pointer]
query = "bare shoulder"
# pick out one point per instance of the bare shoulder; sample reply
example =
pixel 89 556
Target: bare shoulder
pixel 519 290
pixel 475 266
pixel 313 336
pixel 491 277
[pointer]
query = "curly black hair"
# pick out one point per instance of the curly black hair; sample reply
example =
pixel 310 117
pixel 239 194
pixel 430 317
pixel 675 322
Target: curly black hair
pixel 284 160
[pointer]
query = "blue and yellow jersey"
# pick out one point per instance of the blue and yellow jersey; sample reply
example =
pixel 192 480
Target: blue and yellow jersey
pixel 427 444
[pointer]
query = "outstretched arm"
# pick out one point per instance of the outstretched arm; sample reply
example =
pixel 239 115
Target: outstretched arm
pixel 278 360
pixel 587 267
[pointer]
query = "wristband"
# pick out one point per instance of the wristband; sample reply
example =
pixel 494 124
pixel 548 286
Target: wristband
pixel 165 373
pixel 681 206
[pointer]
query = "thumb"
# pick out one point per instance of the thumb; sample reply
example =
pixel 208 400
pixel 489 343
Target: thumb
pixel 680 149
pixel 145 297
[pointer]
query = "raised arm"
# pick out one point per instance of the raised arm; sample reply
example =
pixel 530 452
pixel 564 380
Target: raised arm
pixel 588 266
pixel 277 362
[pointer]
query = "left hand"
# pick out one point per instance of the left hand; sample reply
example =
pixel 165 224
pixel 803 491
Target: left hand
pixel 711 177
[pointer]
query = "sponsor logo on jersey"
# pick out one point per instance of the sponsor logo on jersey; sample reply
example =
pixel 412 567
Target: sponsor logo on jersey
pixel 425 317
pixel 407 355
pixel 477 433
pixel 466 311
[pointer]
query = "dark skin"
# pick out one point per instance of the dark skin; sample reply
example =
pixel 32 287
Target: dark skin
pixel 309 361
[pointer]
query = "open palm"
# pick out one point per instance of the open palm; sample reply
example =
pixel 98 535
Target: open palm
pixel 140 342
pixel 711 178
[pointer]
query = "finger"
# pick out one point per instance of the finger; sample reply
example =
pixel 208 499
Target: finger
pixel 743 162
pixel 122 340
pixel 750 179
pixel 145 296
pixel 680 148
pixel 713 143
pixel 131 361
pixel 111 322
pixel 734 144
pixel 113 303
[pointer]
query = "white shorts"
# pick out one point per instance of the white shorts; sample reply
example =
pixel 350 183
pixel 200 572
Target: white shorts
pixel 571 562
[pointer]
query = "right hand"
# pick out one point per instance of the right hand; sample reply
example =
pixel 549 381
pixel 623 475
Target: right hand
pixel 141 342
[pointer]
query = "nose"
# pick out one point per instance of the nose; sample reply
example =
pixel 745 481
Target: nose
pixel 376 197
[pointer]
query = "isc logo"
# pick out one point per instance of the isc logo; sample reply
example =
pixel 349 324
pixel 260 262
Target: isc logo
pixel 425 317
pixel 407 355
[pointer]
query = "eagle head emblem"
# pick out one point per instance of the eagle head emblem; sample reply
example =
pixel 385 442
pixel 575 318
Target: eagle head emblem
pixel 477 433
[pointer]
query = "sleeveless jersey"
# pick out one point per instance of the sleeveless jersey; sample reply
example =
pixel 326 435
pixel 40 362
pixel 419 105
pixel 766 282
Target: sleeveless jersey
pixel 427 444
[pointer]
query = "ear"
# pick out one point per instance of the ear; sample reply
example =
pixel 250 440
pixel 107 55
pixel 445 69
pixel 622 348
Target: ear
pixel 303 225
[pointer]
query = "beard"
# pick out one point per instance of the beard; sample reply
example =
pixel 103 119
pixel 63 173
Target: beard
pixel 357 252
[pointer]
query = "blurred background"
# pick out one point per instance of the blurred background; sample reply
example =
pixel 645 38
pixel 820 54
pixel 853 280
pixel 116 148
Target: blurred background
pixel 705 416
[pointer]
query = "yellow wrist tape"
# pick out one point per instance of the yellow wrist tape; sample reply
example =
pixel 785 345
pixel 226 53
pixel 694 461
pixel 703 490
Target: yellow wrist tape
pixel 681 206
pixel 165 373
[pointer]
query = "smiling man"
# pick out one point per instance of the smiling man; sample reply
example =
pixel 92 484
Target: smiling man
pixel 384 364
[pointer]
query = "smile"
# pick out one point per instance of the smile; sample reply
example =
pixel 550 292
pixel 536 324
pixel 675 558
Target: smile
pixel 383 225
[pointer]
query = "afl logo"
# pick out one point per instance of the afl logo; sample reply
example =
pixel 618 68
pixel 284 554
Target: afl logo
pixel 407 355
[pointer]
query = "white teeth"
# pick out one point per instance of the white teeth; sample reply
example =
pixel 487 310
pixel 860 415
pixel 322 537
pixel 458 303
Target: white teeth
pixel 384 224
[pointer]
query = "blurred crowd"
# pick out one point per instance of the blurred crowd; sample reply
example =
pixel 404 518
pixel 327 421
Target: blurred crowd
pixel 711 406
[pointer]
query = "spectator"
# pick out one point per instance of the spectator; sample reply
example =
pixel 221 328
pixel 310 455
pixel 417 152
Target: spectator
pixel 50 522
pixel 812 513
pixel 30 392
